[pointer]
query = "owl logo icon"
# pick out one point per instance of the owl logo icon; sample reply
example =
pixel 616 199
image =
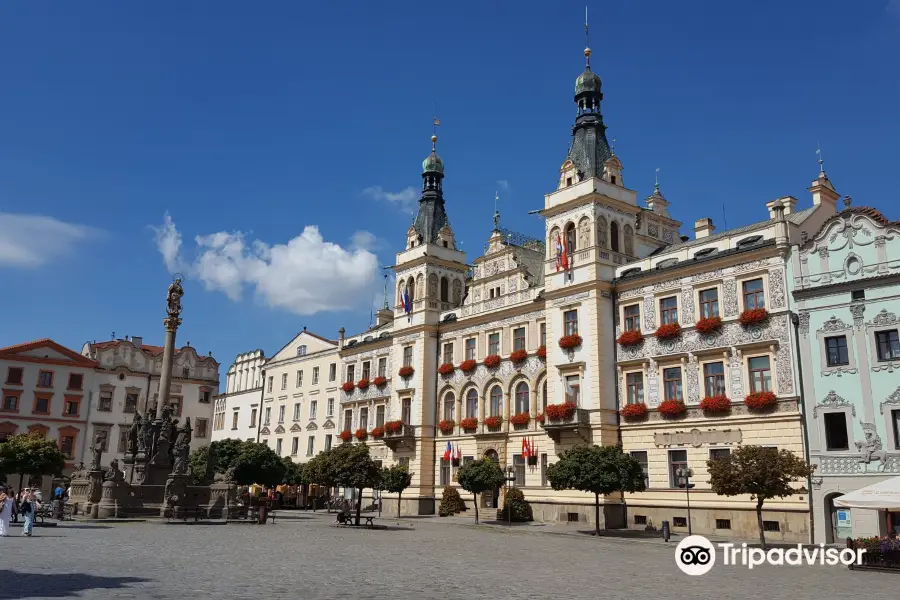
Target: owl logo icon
pixel 695 555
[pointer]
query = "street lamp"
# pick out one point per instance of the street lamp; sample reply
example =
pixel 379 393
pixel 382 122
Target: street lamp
pixel 684 475
pixel 510 479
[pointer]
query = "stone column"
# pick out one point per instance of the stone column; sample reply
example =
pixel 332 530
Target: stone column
pixel 171 323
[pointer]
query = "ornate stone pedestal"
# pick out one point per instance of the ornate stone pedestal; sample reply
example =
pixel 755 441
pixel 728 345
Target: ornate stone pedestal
pixel 174 496
pixel 222 496
pixel 94 493
pixel 113 498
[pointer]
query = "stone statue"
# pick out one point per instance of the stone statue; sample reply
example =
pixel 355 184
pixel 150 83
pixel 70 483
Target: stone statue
pixel 210 475
pixel 584 234
pixel 871 448
pixel 113 474
pixel 145 438
pixel 78 473
pixel 96 453
pixel 134 437
pixel 182 448
pixel 173 300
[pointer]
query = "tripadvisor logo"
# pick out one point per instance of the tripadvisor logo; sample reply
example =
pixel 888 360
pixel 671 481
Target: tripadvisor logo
pixel 696 555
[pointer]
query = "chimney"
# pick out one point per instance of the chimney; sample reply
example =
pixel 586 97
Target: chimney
pixel 823 193
pixel 341 333
pixel 781 231
pixel 384 315
pixel 789 203
pixel 137 340
pixel 703 228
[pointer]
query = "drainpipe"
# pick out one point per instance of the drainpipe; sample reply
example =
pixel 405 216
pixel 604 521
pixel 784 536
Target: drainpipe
pixel 615 310
pixel 795 321
pixel 259 415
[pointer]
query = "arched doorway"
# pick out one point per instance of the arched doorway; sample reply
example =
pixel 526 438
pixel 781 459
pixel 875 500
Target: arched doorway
pixel 838 524
pixel 491 498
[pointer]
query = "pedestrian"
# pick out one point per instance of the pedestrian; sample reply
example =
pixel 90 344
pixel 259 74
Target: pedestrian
pixel 7 507
pixel 29 507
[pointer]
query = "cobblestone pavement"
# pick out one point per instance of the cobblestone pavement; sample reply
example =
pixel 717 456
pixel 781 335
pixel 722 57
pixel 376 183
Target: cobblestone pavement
pixel 304 557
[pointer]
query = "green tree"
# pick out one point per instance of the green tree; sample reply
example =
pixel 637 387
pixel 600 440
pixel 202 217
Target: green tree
pixel 761 472
pixel 354 468
pixel 598 470
pixel 515 508
pixel 294 473
pixel 395 479
pixel 226 451
pixel 257 463
pixel 31 454
pixel 320 470
pixel 480 476
pixel 451 502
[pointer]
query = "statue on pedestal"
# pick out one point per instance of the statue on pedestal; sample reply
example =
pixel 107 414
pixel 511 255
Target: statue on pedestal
pixel 145 438
pixel 96 453
pixel 182 449
pixel 135 443
pixel 173 299
pixel 113 474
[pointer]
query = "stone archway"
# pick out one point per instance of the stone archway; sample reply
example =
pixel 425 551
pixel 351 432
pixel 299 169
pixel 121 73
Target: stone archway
pixel 491 499
pixel 834 531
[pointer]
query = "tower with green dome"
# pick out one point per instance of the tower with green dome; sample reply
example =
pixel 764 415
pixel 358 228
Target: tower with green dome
pixel 589 149
pixel 432 217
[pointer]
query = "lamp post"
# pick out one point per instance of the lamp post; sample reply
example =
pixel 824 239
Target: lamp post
pixel 510 479
pixel 684 480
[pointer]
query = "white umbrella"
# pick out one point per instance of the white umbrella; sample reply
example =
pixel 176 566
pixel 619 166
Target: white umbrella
pixel 882 495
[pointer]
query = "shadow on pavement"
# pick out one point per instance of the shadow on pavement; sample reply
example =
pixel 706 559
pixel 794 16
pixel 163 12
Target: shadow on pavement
pixel 56 585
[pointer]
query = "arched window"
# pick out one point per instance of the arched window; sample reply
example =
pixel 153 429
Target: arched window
pixel 411 288
pixel 400 288
pixel 522 398
pixel 432 286
pixel 614 236
pixel 551 245
pixel 449 407
pixel 570 238
pixel 602 232
pixel 629 240
pixel 544 399
pixel 472 404
pixel 445 290
pixel 457 292
pixel 496 401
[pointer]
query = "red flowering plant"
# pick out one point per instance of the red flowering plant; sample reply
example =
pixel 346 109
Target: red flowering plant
pixel 406 371
pixel 361 434
pixel 634 411
pixel 672 408
pixel 520 419
pixel 715 404
pixel 753 316
pixel 570 342
pixel 760 400
pixel 346 435
pixel 362 383
pixel 446 426
pixel 519 356
pixel 491 361
pixel 668 331
pixel 493 422
pixel 446 369
pixel 708 325
pixel 560 412
pixel 378 433
pixel 348 386
pixel 542 352
pixel 467 366
pixel 469 423
pixel 630 338
pixel 393 426
pixel 380 381
pixel 539 417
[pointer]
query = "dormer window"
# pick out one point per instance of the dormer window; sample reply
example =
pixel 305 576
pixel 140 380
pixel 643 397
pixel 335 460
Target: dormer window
pixel 568 181
pixel 704 252
pixel 749 241
pixel 612 179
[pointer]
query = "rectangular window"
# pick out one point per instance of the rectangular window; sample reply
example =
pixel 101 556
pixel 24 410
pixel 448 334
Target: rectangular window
pixel 310 445
pixel 677 460
pixel 123 439
pixel 543 334
pixel 271 383
pixel 348 420
pixel 472 404
pixel 379 416
pixel 714 379
pixel 14 375
pixel 641 457
pixel 175 403
pixel 771 526
pixel 253 418
pixel 836 351
pixel 105 402
pixel 723 523
pixel 754 296
pixel 406 410
pixel 234 420
pixel 668 310
pixel 366 369
pixel 470 349
pixel 364 418
pixel 570 322
pixel 315 380
pixel 295 446
pixel 518 339
pixel 445 471
pixel 449 408
pixel 71 408
pixel 836 431
pixel 466 460
pixel 382 367
pixel 407 356
pixel 329 408
pixel 278 446
pixel 200 427
pixel 895 419
pixel 312 408
pixel 75 381
pixel 543 470
pixel 632 317
pixel 281 414
pixel 45 379
pixel 888 345
pixel 186 372
pixel 519 466
pixel 709 303
pixel 634 384
pixel 296 411
pixel 448 354
pixel 327 442
pixel 66 445
pixel 11 402
pixel 351 373
pixel 573 389
pixel 299 379
pixel 672 383
pixel 268 418
pixel 760 374
pixel 42 406
pixel 131 400
pixel 718 453
pixel 332 371
pixel 494 343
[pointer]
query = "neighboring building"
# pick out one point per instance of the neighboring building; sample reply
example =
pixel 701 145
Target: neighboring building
pixel 128 374
pixel 846 286
pixel 714 276
pixel 300 397
pixel 236 412
pixel 46 390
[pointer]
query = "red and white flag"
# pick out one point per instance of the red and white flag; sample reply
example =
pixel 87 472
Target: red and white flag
pixel 524 447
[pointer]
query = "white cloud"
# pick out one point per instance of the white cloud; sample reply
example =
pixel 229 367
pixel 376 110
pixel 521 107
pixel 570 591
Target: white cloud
pixel 405 199
pixel 503 184
pixel 29 241
pixel 304 276
pixel 363 240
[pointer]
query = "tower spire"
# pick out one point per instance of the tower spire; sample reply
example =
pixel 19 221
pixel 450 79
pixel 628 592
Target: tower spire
pixel 587 40
pixel 821 160
pixel 496 212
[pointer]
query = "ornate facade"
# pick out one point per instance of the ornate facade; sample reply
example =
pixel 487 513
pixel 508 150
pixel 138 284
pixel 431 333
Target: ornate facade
pixel 236 412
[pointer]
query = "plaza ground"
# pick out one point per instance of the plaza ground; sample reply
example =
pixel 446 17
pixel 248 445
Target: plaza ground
pixel 302 556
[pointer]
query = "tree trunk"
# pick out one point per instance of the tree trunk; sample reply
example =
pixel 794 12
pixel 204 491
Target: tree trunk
pixel 759 523
pixel 21 479
pixel 597 515
pixel 475 495
pixel 358 506
pixel 399 496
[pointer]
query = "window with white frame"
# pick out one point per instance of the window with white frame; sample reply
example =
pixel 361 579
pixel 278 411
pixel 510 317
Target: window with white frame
pixel 332 371
pixel 366 369
pixel 406 410
pixel 570 322
pixel 299 379
pixel 542 328
pixel 379 415
pixel 364 418
pixel 348 420
pixel 296 411
pixel 315 380
pixel 448 353
pixel 496 397
pixel 709 303
pixel 572 384
pixel 518 339
pixel 310 445
pixel 281 414
pixel 268 419
pixel 329 407
pixel 295 446
pixel 407 356
pixel 519 469
pixel 449 407
pixel 382 367
pixel 327 442
pixel 714 378
pixel 301 350
pixel 641 457
pixel 668 310
pixel 470 348
pixel 634 386
pixel 472 404
pixel 678 459
pixel 522 398
pixel 284 381
pixel 351 373
pixel 278 446
pixel 760 371
pixel 312 409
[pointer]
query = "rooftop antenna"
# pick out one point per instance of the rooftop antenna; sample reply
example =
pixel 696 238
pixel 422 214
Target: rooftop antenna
pixel 821 160
pixel 724 222
pixel 656 186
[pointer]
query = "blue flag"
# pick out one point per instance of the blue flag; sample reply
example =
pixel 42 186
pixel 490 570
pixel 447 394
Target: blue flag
pixel 407 305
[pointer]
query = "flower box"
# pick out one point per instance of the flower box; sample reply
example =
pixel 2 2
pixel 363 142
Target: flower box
pixel 491 361
pixel 634 411
pixel 760 400
pixel 348 386
pixel 378 433
pixel 446 426
pixel 467 366
pixel 559 412
pixel 380 381
pixel 715 404
pixel 362 383
pixel 361 434
pixel 542 352
pixel 520 419
pixel 753 316
pixel 708 325
pixel 672 408
pixel 668 331
pixel 493 422
pixel 406 371
pixel 446 369
pixel 469 424
pixel 519 356
pixel 539 418
pixel 630 338
pixel 570 342
pixel 346 435
pixel 393 426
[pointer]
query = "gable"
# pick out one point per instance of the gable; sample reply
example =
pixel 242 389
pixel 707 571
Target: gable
pixel 279 429
pixel 296 427
pixel 264 431
pixel 329 424
pixel 312 427
pixel 46 350
pixel 312 341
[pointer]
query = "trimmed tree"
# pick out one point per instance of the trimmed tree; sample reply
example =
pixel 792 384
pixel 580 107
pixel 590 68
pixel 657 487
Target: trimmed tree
pixel 31 454
pixel 480 476
pixel 226 451
pixel 761 472
pixel 294 473
pixel 395 479
pixel 320 470
pixel 354 468
pixel 600 470
pixel 451 502
pixel 257 463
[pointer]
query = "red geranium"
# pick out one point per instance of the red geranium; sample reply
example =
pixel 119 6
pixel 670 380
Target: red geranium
pixel 542 352
pixel 634 411
pixel 380 381
pixel 568 342
pixel 753 316
pixel 491 361
pixel 708 325
pixel 446 369
pixel 467 366
pixel 669 330
pixel 493 422
pixel 348 386
pixel 520 419
pixel 560 412
pixel 672 408
pixel 447 425
pixel 406 371
pixel 631 338
pixel 393 426
pixel 378 432
pixel 539 418
pixel 469 423
pixel 519 356
pixel 760 400
pixel 715 404
pixel 362 383
pixel 346 435
pixel 361 434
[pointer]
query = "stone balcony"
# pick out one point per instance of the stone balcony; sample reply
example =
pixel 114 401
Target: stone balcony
pixel 484 431
pixel 394 439
pixel 578 423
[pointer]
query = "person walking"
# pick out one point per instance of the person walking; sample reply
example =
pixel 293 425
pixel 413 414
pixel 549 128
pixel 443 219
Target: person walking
pixel 29 507
pixel 7 507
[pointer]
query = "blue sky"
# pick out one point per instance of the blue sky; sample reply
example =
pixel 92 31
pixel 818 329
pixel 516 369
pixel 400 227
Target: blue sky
pixel 282 140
